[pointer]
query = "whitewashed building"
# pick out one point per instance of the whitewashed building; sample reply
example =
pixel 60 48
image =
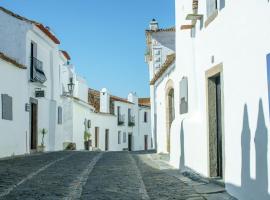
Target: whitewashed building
pixel 120 124
pixel 40 90
pixel 213 103
pixel 34 46
pixel 14 121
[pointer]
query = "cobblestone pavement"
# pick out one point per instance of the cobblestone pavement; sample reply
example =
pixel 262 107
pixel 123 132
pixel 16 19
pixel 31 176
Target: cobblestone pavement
pixel 92 175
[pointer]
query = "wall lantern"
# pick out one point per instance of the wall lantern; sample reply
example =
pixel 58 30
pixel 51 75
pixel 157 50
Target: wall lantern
pixel 70 86
pixel 27 107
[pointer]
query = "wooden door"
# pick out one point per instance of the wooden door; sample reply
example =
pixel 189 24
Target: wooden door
pixel 130 142
pixel 34 131
pixel 215 126
pixel 146 142
pixel 96 137
pixel 106 139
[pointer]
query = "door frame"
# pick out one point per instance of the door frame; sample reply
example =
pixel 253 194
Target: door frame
pixel 33 101
pixel 216 70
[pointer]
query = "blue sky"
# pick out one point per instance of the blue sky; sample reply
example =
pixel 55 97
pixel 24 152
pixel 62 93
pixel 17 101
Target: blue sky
pixel 105 38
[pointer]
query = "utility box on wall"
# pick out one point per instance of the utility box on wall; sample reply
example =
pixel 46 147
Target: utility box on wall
pixel 184 95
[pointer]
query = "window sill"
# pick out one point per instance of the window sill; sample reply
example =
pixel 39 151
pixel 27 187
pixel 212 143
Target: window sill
pixel 211 18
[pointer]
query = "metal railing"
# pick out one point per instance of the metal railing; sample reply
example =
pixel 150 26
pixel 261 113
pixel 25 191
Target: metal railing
pixel 36 70
pixel 121 119
pixel 131 120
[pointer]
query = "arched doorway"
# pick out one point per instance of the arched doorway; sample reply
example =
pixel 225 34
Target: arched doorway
pixel 170 112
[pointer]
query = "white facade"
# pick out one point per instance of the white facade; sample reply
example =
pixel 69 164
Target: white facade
pixel 29 43
pixel 228 44
pixel 17 128
pixel 122 118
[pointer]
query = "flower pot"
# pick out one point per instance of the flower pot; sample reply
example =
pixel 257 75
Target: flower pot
pixel 86 145
pixel 40 148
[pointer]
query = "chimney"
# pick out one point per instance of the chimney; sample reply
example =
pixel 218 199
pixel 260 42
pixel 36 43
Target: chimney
pixel 104 101
pixel 132 97
pixel 153 26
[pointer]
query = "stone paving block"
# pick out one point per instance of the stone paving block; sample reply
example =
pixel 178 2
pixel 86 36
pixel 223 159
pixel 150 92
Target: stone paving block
pixel 219 196
pixel 209 188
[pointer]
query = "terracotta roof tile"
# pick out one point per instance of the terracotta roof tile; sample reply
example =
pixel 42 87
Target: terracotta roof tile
pixel 94 99
pixel 170 59
pixel 144 102
pixel 12 61
pixel 37 24
pixel 67 56
pixel 171 29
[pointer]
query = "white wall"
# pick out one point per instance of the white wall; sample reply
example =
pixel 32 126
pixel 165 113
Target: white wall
pixel 105 121
pixel 15 133
pixel 235 39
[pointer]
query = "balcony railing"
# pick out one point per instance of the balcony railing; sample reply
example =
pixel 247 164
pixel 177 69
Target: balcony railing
pixel 131 120
pixel 121 119
pixel 37 74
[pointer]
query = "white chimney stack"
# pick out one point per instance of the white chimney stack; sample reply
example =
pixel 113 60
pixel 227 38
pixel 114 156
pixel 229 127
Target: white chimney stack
pixel 132 97
pixel 153 26
pixel 104 101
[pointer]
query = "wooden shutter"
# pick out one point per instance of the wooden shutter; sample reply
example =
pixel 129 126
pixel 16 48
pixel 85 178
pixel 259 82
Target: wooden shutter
pixel 7 113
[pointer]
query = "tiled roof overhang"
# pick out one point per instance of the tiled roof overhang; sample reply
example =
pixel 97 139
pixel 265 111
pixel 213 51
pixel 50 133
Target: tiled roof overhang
pixel 37 24
pixel 67 56
pixel 144 102
pixel 169 61
pixel 171 29
pixel 12 61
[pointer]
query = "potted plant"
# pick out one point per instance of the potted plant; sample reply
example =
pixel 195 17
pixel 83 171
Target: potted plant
pixel 41 147
pixel 87 137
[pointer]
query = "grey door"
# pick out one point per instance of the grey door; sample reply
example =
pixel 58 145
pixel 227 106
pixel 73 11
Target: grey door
pixel 215 126
pixel 34 112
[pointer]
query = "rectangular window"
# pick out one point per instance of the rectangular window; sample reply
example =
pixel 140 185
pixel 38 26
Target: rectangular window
pixel 211 7
pixel 60 115
pixel 118 110
pixel 124 137
pixel 145 117
pixel 7 112
pixel 184 95
pixel 119 137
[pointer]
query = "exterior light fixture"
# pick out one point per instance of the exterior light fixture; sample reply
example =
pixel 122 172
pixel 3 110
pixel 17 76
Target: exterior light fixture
pixel 71 86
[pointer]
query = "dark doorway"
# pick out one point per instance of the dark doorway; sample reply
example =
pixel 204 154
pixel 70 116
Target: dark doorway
pixel 106 139
pixel 34 120
pixel 96 137
pixel 215 126
pixel 146 142
pixel 170 117
pixel 130 142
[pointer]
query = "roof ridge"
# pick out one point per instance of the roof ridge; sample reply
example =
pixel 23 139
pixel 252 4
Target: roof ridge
pixel 11 60
pixel 169 60
pixel 37 24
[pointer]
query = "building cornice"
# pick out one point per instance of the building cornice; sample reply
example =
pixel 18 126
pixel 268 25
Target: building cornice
pixel 169 61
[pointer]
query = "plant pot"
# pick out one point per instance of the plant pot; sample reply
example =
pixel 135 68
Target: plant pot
pixel 86 145
pixel 40 148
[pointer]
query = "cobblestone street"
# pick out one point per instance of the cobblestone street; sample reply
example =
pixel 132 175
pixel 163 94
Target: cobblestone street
pixel 94 175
